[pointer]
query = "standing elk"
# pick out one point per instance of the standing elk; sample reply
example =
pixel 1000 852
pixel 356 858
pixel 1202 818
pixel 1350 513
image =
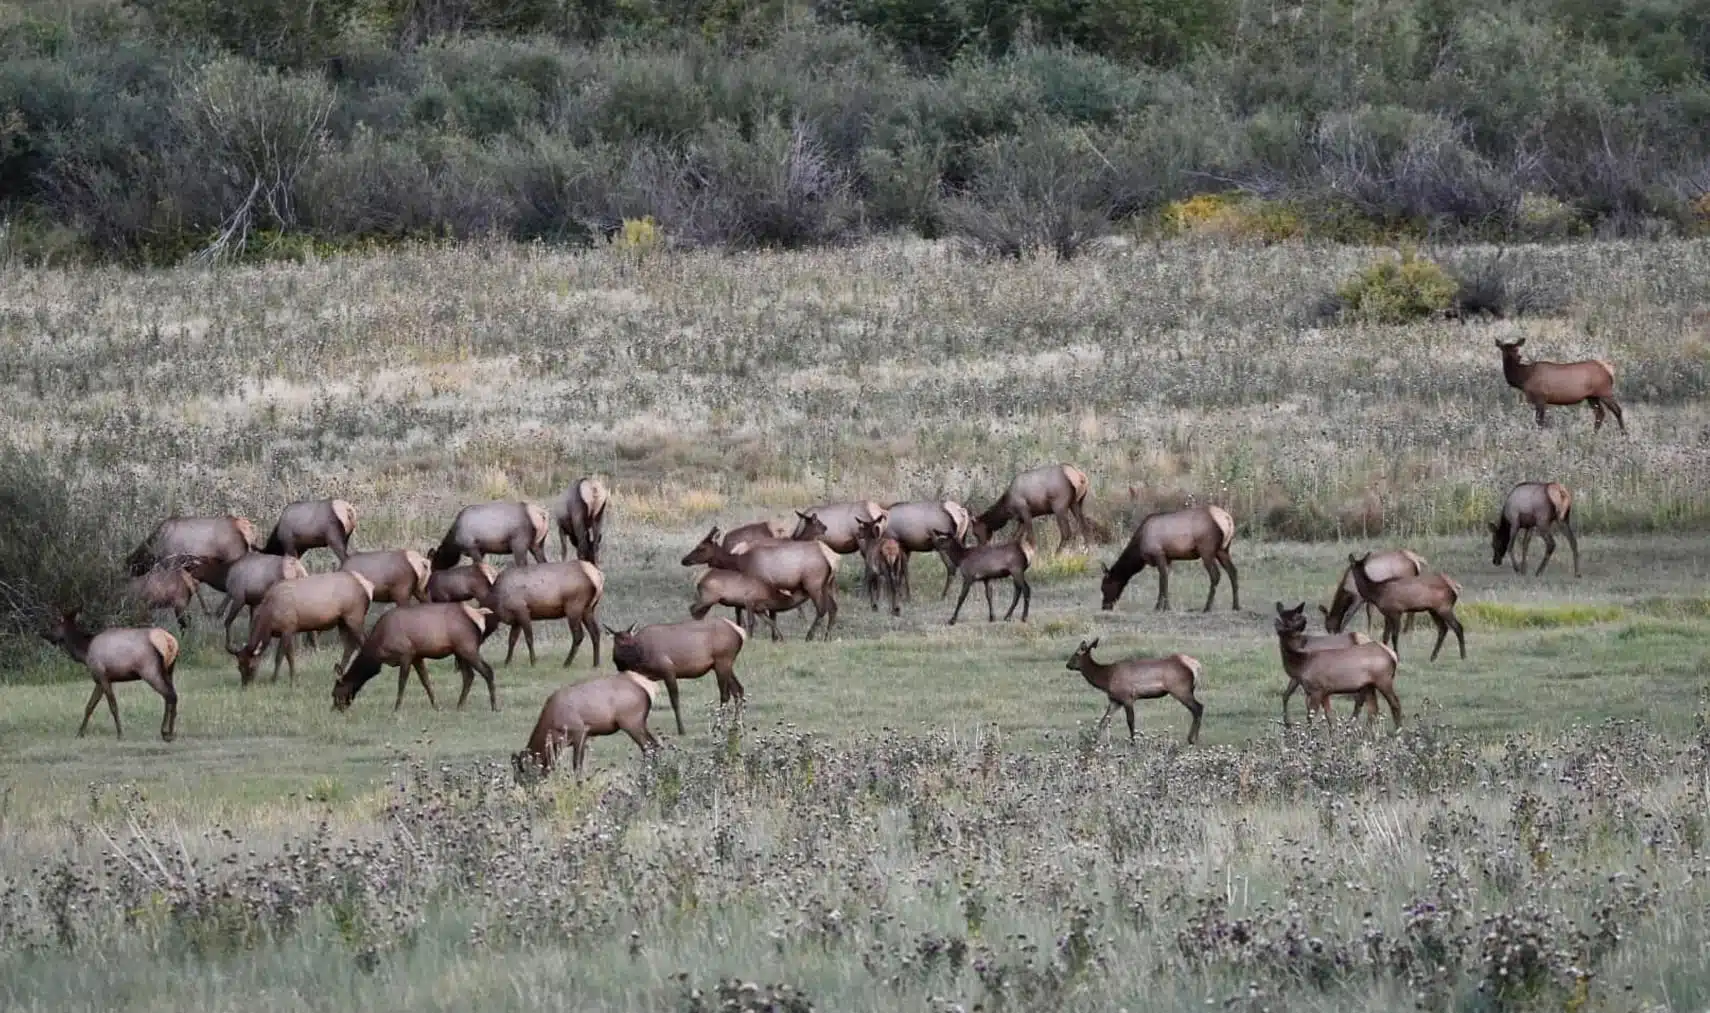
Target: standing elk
pixel 840 522
pixel 1360 670
pixel 1381 566
pixel 1124 682
pixel 756 532
pixel 313 524
pixel 1533 506
pixel 1432 592
pixel 912 525
pixel 122 654
pixel 1562 383
pixel 167 585
pixel 883 556
pixel 986 563
pixel 807 566
pixel 398 575
pixel 249 580
pixel 1294 620
pixel 1056 489
pixel 410 635
pixel 1204 533
pixel 320 601
pixel 469 582
pixel 574 714
pixel 217 542
pixel 670 652
pixel 581 519
pixel 749 597
pixel 569 590
pixel 500 526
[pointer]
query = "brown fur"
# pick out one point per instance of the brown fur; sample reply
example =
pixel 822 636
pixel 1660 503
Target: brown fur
pixel 883 556
pixel 912 525
pixel 756 532
pixel 168 585
pixel 986 563
pixel 1432 593
pixel 469 582
pixel 1360 670
pixel 121 655
pixel 750 597
pixel 806 566
pixel 569 590
pixel 320 601
pixel 217 542
pixel 398 575
pixel 574 714
pixel 581 519
pixel 501 526
pixel 1380 567
pixel 313 524
pixel 1056 489
pixel 248 581
pixel 1294 620
pixel 841 522
pixel 670 652
pixel 1533 506
pixel 1562 383
pixel 1204 533
pixel 410 635
pixel 1176 675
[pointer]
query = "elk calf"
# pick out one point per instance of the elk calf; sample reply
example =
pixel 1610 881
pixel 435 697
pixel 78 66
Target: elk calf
pixel 750 597
pixel 469 582
pixel 806 566
pixel 1124 682
pixel 883 556
pixel 1361 671
pixel 1381 566
pixel 986 563
pixel 1294 621
pixel 249 580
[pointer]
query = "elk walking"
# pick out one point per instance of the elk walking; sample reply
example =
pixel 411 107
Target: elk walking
pixel 167 585
pixel 409 636
pixel 1381 566
pixel 1056 489
pixel 670 652
pixel 581 519
pixel 808 566
pixel 320 601
pixel 1204 533
pixel 313 524
pixel 1360 670
pixel 1431 593
pixel 574 714
pixel 840 523
pixel 121 654
pixel 249 580
pixel 398 575
pixel 750 598
pixel 1562 383
pixel 1122 683
pixel 569 590
pixel 1294 620
pixel 216 542
pixel 1533 506
pixel 986 563
pixel 498 527
pixel 469 582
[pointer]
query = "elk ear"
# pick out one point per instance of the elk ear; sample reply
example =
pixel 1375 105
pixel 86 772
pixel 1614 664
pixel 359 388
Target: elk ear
pixel 1093 644
pixel 608 629
pixel 712 536
pixel 802 515
pixel 1104 569
pixel 1300 608
pixel 1280 609
pixel 1134 494
pixel 1520 343
pixel 633 627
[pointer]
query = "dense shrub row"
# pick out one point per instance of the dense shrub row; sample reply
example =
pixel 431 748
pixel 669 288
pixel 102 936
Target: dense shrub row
pixel 154 128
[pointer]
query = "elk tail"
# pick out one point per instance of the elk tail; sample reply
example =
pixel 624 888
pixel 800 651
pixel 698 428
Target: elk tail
pixel 1225 524
pixel 1194 668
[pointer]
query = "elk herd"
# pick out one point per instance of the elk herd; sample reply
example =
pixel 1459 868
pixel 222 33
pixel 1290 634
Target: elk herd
pixel 446 607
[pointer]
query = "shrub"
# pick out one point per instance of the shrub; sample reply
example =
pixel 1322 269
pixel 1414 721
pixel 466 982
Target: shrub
pixel 1495 285
pixel 1231 215
pixel 1397 289
pixel 1040 190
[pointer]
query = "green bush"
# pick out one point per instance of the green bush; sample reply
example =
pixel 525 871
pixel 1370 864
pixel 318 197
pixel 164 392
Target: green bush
pixel 1397 289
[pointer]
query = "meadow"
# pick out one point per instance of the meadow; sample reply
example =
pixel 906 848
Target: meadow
pixel 912 816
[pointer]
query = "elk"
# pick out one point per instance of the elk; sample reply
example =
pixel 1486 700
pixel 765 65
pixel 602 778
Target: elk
pixel 249 580
pixel 574 714
pixel 1124 682
pixel 121 654
pixel 1433 593
pixel 1533 506
pixel 500 526
pixel 167 585
pixel 986 563
pixel 469 582
pixel 808 567
pixel 313 524
pixel 756 532
pixel 670 652
pixel 750 597
pixel 912 525
pixel 841 523
pixel 217 541
pixel 398 575
pixel 1204 533
pixel 569 590
pixel 1380 567
pixel 1294 620
pixel 1562 383
pixel 581 519
pixel 320 601
pixel 1360 670
pixel 883 556
pixel 1056 489
pixel 410 635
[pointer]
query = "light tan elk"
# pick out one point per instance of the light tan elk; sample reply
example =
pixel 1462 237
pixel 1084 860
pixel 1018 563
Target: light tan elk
pixel 1176 675
pixel 581 519
pixel 501 526
pixel 167 585
pixel 841 522
pixel 750 597
pixel 808 567
pixel 411 635
pixel 313 524
pixel 469 582
pixel 1381 566
pixel 217 542
pixel 1204 533
pixel 1055 489
pixel 883 556
pixel 569 590
pixel 756 532
pixel 1293 620
pixel 986 563
pixel 672 652
pixel 574 714
pixel 1359 671
pixel 1432 593
pixel 1533 506
pixel 912 525
pixel 398 575
pixel 1562 383
pixel 320 601
pixel 124 654
pixel 249 580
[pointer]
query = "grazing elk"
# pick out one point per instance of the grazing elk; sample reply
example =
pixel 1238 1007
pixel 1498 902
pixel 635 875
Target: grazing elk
pixel 1360 670
pixel 469 582
pixel 313 524
pixel 1056 489
pixel 912 525
pixel 249 580
pixel 217 542
pixel 569 590
pixel 500 526
pixel 1562 383
pixel 670 652
pixel 840 522
pixel 574 714
pixel 581 519
pixel 1433 593
pixel 1204 533
pixel 1124 682
pixel 750 597
pixel 1381 566
pixel 807 566
pixel 123 654
pixel 986 563
pixel 1294 620
pixel 398 575
pixel 167 585
pixel 883 556
pixel 410 635
pixel 1533 506
pixel 320 601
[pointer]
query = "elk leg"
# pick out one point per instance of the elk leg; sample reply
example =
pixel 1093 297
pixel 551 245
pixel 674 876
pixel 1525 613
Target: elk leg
pixel 1573 543
pixel 1460 633
pixel 870 584
pixel 527 625
pixel 1389 696
pixel 891 581
pixel 1128 712
pixel 1392 633
pixel 639 736
pixel 1596 413
pixel 1026 596
pixel 468 677
pixel 232 610
pixel 337 543
pixel 592 625
pixel 1109 709
pixel 1549 550
pixel 1525 550
pixel 991 613
pixel 1210 561
pixel 516 631
pixel 676 708
pixel 1195 708
pixel 949 575
pixel 1234 579
pixel 1615 409
pixel 1065 532
pixel 1163 603
pixel 161 682
pixel 427 687
pixel 1538 411
pixel 1288 691
pixel 578 751
pixel 967 585
pixel 1076 510
pixel 479 664
pixel 285 648
pixel 89 711
pixel 728 684
pixel 351 633
pixel 403 681
pixel 563 545
pixel 112 705
pixel 771 617
pixel 902 573
pixel 1442 634
pixel 576 635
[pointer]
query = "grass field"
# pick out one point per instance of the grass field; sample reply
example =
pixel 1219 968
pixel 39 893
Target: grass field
pixel 912 816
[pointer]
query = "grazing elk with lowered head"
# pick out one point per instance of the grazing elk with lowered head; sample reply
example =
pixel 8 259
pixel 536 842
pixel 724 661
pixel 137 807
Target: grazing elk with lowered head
pixel 1124 682
pixel 125 654
pixel 1562 383
pixel 581 519
pixel 313 524
pixel 986 563
pixel 1533 506
pixel 574 714
pixel 469 582
pixel 1360 670
pixel 913 524
pixel 569 590
pixel 1294 620
pixel 217 542
pixel 1432 593
pixel 1204 533
pixel 883 556
pixel 409 636
pixel 1056 489
pixel 670 652
pixel 749 597
pixel 806 566
pixel 1380 566
pixel 320 601
pixel 249 580
pixel 500 526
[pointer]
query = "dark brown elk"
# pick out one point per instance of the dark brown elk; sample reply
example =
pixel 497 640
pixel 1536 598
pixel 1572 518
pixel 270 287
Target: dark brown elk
pixel 398 575
pixel 912 525
pixel 757 531
pixel 167 585
pixel 469 582
pixel 217 541
pixel 1380 566
pixel 1533 506
pixel 501 526
pixel 808 567
pixel 1432 593
pixel 581 519
pixel 574 714
pixel 750 597
pixel 1293 620
pixel 1204 533
pixel 1562 383
pixel 883 556
pixel 124 654
pixel 411 635
pixel 249 580
pixel 671 652
pixel 1056 489
pixel 320 601
pixel 841 522
pixel 569 590
pixel 313 524
pixel 1360 671
pixel 1175 675
pixel 986 563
